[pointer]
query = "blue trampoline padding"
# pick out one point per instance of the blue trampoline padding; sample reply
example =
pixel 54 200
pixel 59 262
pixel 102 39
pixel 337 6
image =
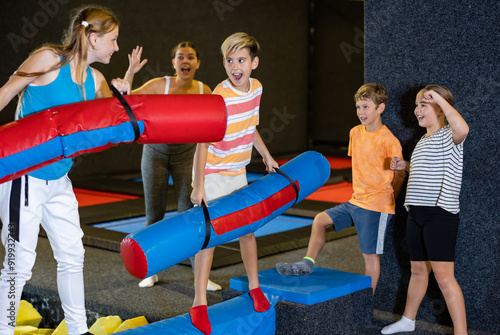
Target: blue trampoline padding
pixel 234 316
pixel 280 224
pixel 321 285
pixel 130 225
pixel 170 180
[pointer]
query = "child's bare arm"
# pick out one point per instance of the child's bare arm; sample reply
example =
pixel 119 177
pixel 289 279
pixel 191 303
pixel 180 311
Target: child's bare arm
pixel 455 120
pixel 398 181
pixel 200 160
pixel 268 160
pixel 40 61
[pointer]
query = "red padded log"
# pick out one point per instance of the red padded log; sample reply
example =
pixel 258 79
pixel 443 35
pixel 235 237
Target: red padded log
pixel 91 126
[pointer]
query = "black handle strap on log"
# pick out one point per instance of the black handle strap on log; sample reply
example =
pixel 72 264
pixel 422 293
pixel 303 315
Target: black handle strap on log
pixel 208 222
pixel 129 111
pixel 278 171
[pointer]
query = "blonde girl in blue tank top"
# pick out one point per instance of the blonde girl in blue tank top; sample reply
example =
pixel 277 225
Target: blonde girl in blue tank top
pixel 159 161
pixel 53 75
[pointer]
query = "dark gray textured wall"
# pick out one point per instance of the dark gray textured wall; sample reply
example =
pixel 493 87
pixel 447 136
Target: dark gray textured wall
pixel 410 43
pixel 336 71
pixel 281 27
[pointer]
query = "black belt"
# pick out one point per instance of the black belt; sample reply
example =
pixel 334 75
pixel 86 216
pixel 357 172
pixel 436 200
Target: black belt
pixel 129 111
pixel 278 171
pixel 208 222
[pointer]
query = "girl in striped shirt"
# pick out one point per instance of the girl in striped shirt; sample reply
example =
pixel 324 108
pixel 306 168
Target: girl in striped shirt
pixel 432 201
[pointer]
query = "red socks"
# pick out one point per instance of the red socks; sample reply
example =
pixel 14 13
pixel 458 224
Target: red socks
pixel 199 314
pixel 199 319
pixel 260 302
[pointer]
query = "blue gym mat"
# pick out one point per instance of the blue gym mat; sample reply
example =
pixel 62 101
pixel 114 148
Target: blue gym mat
pixel 321 285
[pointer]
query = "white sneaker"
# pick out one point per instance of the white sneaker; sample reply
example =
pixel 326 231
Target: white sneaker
pixel 211 286
pixel 149 282
pixel 403 325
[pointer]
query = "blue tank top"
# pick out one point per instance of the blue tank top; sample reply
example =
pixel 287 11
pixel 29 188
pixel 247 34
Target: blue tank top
pixel 63 90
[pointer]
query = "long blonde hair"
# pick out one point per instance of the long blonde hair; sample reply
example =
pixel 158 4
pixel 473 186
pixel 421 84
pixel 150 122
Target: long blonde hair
pixel 75 44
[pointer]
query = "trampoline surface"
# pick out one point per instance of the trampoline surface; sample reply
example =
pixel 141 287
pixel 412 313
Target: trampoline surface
pixel 113 207
pixel 335 193
pixel 87 197
pixel 280 224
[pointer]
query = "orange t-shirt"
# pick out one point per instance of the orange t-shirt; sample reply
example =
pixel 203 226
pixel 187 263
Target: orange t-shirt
pixel 372 176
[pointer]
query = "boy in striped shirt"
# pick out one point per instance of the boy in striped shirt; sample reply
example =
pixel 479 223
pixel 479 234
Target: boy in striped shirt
pixel 219 168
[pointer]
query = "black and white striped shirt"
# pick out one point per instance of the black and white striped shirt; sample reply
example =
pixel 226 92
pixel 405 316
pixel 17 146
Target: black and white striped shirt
pixel 436 172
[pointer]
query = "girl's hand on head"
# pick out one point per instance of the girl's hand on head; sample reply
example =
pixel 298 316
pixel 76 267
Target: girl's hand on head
pixel 134 60
pixel 121 85
pixel 432 97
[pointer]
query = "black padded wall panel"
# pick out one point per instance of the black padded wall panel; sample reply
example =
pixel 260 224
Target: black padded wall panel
pixel 408 44
pixel 281 27
pixel 336 70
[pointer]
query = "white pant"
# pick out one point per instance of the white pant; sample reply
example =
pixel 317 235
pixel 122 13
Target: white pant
pixel 25 203
pixel 218 185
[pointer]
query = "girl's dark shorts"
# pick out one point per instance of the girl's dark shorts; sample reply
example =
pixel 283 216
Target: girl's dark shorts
pixel 432 234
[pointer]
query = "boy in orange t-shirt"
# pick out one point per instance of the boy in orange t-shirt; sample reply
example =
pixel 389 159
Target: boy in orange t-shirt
pixel 371 146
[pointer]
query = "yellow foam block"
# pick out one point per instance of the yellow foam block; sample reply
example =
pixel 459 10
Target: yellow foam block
pixel 61 329
pixel 27 315
pixel 18 330
pixel 105 325
pixel 132 323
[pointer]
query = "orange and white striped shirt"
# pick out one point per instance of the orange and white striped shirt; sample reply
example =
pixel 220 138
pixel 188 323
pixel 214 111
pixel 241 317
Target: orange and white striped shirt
pixel 231 155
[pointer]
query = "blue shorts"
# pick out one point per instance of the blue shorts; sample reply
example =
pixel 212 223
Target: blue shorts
pixel 370 225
